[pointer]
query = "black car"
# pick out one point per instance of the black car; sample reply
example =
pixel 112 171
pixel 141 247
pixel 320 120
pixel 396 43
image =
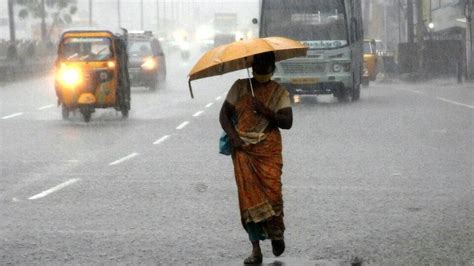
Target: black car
pixel 147 65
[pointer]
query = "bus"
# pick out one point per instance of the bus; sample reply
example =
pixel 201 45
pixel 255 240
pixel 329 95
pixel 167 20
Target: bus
pixel 225 25
pixel 332 29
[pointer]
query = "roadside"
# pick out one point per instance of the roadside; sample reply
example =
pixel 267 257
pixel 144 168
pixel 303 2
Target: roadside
pixel 11 71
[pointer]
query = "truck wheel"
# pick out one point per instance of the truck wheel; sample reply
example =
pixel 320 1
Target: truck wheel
pixel 65 112
pixel 356 92
pixel 365 81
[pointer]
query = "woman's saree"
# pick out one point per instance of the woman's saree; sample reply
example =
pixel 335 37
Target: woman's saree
pixel 258 165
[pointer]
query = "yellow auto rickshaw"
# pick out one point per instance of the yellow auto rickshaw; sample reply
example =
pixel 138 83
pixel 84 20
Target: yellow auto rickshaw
pixel 370 62
pixel 92 72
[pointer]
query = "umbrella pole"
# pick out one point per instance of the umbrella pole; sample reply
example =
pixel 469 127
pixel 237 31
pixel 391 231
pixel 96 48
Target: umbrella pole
pixel 250 81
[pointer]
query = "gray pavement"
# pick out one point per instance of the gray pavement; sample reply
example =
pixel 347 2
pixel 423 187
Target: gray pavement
pixel 387 179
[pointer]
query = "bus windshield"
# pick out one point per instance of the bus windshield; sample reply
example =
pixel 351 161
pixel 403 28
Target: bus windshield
pixel 320 24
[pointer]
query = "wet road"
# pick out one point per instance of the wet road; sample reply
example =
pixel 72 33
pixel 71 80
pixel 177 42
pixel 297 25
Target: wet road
pixel 387 179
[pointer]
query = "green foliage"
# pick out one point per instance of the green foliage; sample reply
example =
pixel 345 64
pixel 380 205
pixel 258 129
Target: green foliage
pixel 60 11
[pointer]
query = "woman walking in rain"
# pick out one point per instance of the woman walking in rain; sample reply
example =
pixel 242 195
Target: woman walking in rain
pixel 257 152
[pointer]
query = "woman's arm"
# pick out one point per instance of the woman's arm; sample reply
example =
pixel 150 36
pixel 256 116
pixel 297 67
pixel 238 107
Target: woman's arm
pixel 225 119
pixel 283 118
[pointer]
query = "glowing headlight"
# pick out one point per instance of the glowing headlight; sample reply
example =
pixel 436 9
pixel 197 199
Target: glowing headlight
pixel 337 68
pixel 70 77
pixel 149 64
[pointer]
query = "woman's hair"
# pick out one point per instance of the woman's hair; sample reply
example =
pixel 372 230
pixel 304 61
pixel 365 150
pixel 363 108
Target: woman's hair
pixel 267 59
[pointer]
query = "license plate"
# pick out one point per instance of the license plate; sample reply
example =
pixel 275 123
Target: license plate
pixel 305 81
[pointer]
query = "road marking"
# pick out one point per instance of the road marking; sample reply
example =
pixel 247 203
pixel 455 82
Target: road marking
pixel 130 156
pixel 54 189
pixel 13 115
pixel 198 113
pixel 165 137
pixel 185 123
pixel 417 92
pixel 46 107
pixel 413 91
pixel 209 105
pixel 440 98
pixel 454 102
pixel 218 98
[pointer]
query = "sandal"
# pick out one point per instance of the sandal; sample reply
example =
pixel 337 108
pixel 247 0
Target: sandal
pixel 278 247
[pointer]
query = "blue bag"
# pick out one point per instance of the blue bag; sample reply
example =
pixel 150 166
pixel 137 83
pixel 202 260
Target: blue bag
pixel 225 147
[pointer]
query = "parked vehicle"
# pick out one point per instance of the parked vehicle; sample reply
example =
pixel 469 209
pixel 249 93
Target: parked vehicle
pixel 371 59
pixel 92 72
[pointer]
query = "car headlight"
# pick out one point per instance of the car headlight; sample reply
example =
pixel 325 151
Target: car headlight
pixel 149 64
pixel 70 77
pixel 337 67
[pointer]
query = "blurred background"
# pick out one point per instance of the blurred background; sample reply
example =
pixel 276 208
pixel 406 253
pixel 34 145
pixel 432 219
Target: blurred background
pixel 415 38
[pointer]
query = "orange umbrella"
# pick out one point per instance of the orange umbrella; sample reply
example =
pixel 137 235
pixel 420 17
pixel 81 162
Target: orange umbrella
pixel 239 55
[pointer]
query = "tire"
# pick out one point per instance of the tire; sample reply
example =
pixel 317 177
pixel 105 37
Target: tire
pixel 342 95
pixel 162 75
pixel 124 111
pixel 355 91
pixel 86 113
pixel 87 116
pixel 65 112
pixel 365 81
pixel 163 78
pixel 153 86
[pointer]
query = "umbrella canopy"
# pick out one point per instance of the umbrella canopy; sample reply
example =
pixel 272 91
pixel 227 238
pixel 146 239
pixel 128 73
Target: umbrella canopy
pixel 239 55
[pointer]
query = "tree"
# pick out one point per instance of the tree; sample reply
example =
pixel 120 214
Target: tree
pixel 60 12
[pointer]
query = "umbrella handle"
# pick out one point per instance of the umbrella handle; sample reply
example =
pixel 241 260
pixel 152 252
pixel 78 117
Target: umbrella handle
pixel 250 80
pixel 190 89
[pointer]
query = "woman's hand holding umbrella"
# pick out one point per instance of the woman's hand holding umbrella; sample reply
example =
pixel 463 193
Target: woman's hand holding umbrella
pixel 261 109
pixel 282 119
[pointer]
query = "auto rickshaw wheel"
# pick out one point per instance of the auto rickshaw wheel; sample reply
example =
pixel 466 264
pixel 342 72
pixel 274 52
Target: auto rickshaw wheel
pixel 65 112
pixel 86 113
pixel 124 111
